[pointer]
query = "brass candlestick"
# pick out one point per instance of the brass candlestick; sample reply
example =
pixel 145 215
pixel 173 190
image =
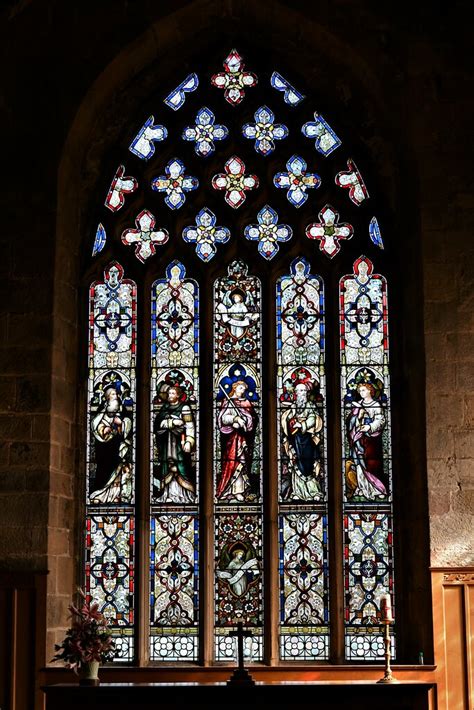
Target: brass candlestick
pixel 387 677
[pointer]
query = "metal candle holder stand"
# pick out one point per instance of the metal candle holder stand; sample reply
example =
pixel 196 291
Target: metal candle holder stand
pixel 387 677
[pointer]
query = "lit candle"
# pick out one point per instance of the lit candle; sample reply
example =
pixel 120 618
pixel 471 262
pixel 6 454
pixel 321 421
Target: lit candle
pixel 386 607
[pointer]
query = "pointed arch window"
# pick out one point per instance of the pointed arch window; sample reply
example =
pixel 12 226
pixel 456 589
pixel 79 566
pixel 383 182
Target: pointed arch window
pixel 238 428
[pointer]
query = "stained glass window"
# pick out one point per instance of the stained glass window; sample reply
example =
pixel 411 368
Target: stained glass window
pixel 238 459
pixel 257 417
pixel 302 466
pixel 365 409
pixel 174 526
pixel 110 519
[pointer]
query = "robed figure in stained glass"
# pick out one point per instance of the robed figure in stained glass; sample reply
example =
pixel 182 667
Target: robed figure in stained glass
pixel 301 426
pixel 174 431
pixel 237 421
pixel 239 567
pixel 365 424
pixel 112 434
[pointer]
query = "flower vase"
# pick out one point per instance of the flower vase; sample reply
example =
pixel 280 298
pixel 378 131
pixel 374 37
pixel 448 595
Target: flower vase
pixel 88 673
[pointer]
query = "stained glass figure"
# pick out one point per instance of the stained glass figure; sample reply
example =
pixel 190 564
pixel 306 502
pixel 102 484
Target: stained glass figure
pixel 234 80
pixel 291 96
pixel 174 576
pixel 100 239
pixel 175 183
pixel 145 237
pixel 237 312
pixel 365 392
pixel 368 573
pixel 235 182
pixel 120 187
pixel 174 552
pixel 351 179
pixel 296 181
pixel 264 131
pixel 178 96
pixel 268 232
pixel 365 384
pixel 237 427
pixel 304 595
pixel 204 132
pixel 143 145
pixel 175 359
pixel 205 234
pixel 111 412
pixel 110 583
pixel 238 457
pixel 375 233
pixel 301 384
pixel 329 232
pixel 366 423
pixel 326 141
pixel 239 572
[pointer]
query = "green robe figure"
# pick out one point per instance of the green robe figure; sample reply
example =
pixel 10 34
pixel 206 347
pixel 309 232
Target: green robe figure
pixel 175 432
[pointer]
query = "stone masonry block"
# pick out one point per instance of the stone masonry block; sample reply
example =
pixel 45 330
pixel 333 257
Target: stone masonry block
pixel 445 410
pixel 464 444
pixel 465 376
pixel 7 393
pixel 440 377
pixel 33 394
pixel 440 282
pixel 12 481
pixel 29 454
pixel 16 427
pixel 440 444
pixel 440 501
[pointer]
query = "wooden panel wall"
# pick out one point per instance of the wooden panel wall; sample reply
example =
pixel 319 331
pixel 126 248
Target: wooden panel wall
pixel 22 639
pixel 453 621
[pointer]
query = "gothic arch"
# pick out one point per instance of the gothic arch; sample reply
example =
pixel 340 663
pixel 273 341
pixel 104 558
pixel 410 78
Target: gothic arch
pixel 332 67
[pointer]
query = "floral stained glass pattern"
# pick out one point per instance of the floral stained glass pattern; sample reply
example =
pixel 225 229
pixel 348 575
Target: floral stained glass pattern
pixel 368 573
pixel 304 603
pixel 205 234
pixel 264 131
pixel 268 232
pixel 235 182
pixel 237 456
pixel 204 132
pixel 304 611
pixel 174 574
pixel 234 80
pixel 145 237
pixel 329 232
pixel 365 392
pixel 175 183
pixel 296 181
pixel 174 466
pixel 110 553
